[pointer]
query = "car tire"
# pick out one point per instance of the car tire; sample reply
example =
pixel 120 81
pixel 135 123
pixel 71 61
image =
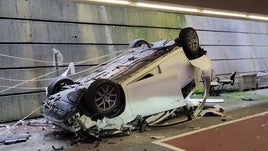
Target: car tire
pixel 104 98
pixel 189 41
pixel 57 84
pixel 138 43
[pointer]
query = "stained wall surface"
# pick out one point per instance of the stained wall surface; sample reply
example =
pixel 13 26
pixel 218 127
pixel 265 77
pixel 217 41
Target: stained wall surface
pixel 31 31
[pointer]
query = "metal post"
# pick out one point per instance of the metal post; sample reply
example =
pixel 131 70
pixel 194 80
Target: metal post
pixel 56 63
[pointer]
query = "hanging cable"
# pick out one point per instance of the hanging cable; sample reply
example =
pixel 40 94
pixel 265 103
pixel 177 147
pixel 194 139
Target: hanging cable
pixel 24 88
pixel 76 63
pixel 18 80
pixel 20 121
pixel 34 79
pixel 51 62
pixel 96 67
pixel 28 81
pixel 100 57
pixel 33 60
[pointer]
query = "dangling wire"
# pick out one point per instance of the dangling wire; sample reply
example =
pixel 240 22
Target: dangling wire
pixel 20 58
pixel 25 88
pixel 99 65
pixel 19 80
pixel 26 82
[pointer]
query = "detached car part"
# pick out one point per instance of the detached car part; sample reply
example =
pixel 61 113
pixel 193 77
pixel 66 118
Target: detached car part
pixel 149 78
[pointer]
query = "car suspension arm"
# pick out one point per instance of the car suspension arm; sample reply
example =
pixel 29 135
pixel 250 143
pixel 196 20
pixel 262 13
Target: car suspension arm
pixel 204 64
pixel 199 109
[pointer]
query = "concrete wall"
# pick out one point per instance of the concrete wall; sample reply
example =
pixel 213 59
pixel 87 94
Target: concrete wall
pixel 233 44
pixel 30 29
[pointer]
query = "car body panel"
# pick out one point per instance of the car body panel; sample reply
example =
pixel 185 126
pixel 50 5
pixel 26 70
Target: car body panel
pixel 159 90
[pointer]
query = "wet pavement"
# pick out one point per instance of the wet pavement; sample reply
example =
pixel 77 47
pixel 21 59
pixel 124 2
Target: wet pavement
pixel 41 135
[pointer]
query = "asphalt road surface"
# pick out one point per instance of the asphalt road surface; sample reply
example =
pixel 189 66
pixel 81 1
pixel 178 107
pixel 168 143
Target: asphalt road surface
pixel 41 137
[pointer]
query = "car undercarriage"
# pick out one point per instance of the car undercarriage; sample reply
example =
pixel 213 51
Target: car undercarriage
pixel 144 85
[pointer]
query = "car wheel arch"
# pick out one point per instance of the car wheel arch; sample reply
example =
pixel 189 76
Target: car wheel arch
pixel 138 43
pixel 56 84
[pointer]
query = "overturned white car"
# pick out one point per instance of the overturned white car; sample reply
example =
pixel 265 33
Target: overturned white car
pixel 147 79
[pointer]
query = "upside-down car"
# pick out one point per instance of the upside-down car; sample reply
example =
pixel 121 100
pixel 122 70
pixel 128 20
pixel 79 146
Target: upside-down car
pixel 149 78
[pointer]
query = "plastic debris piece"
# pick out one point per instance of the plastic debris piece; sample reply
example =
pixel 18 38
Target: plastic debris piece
pixel 14 138
pixel 158 137
pixel 195 127
pixel 86 122
pixel 247 98
pixel 60 148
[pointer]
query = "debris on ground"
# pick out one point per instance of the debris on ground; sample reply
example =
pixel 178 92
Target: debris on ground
pixel 3 126
pixel 244 98
pixel 59 148
pixel 224 119
pixel 37 122
pixel 195 127
pixel 90 132
pixel 249 98
pixel 158 137
pixel 264 125
pixel 14 138
pixel 215 110
pixel 18 132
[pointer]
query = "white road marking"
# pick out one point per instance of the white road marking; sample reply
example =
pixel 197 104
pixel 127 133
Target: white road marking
pixel 160 142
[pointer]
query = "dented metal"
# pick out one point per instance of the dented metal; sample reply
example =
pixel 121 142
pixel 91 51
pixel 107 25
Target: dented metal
pixel 142 82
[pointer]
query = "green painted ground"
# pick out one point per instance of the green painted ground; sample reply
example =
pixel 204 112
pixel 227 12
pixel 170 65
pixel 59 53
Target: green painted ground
pixel 235 98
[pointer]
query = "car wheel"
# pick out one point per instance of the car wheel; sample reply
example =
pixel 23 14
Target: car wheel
pixel 138 43
pixel 57 84
pixel 104 98
pixel 189 41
